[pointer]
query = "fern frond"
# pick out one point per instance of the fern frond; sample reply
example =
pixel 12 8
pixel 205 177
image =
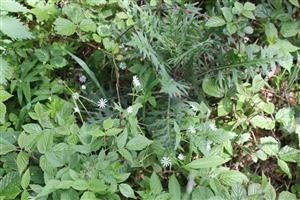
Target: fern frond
pixel 5 71
pixel 13 28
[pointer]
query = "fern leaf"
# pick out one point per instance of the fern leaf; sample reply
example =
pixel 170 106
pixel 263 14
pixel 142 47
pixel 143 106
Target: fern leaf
pixel 13 28
pixel 5 71
pixel 13 6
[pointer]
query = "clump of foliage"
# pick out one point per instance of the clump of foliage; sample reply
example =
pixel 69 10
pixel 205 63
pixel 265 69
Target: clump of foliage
pixel 149 99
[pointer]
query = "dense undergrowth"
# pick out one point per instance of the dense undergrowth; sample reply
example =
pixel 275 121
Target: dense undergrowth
pixel 149 99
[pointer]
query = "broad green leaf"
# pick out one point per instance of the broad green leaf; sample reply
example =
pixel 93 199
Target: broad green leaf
pixel 285 116
pixel 202 193
pixel 232 177
pixel 155 184
pixel 22 161
pixel 174 188
pixel 207 162
pixel 64 27
pixel 231 28
pixel 88 196
pixel 284 167
pixel 227 14
pixel 269 145
pixel 74 12
pixel 45 142
pixel 248 14
pixel 249 6
pixel 96 185
pixel 9 185
pixel 32 128
pixel 271 33
pixel 294 2
pixel 224 107
pixel 211 88
pixel 13 28
pixel 13 6
pixel 138 143
pixel 6 146
pixel 4 95
pixel 80 185
pixel 215 22
pixel 289 154
pixel 290 29
pixel 108 123
pixel 87 25
pixel 25 195
pixel 262 122
pixel 25 179
pixel 42 55
pixel 258 83
pixel 126 191
pixel 285 195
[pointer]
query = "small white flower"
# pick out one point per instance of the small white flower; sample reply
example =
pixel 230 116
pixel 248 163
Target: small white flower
pixel 213 127
pixel 122 66
pixel 194 108
pixel 136 82
pixel 75 96
pixel 129 109
pixel 49 98
pixel 191 129
pixel 246 39
pixel 166 161
pixel 180 156
pixel 83 87
pixel 102 103
pixel 208 145
pixel 76 110
pixel 82 79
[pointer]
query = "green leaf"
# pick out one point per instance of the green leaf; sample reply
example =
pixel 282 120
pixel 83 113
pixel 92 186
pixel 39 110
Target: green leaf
pixel 202 193
pixel 22 161
pixel 64 27
pixel 207 162
pixel 74 12
pixel 232 177
pixel 89 196
pixel 2 113
pixel 249 6
pixel 108 123
pixel 32 128
pixel 285 195
pixel 174 188
pixel 87 70
pixel 13 6
pixel 269 145
pixel 45 142
pixel 25 179
pixel 6 146
pixel 80 185
pixel 263 122
pixel 155 184
pixel 290 29
pixel 284 167
pixel 87 25
pixel 224 107
pixel 9 185
pixel 271 33
pixel 138 143
pixel 289 154
pixel 4 95
pixel 210 87
pixel 5 69
pixel 42 55
pixel 126 191
pixel 231 28
pixel 258 83
pixel 215 22
pixel 13 28
pixel 227 14
pixel 294 2
pixel 248 14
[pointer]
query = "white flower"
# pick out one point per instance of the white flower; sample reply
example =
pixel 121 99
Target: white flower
pixel 129 109
pixel 49 98
pixel 122 66
pixel 82 79
pixel 75 96
pixel 191 129
pixel 194 108
pixel 83 87
pixel 166 161
pixel 136 82
pixel 212 127
pixel 76 110
pixel 102 103
pixel 180 156
pixel 246 39
pixel 208 145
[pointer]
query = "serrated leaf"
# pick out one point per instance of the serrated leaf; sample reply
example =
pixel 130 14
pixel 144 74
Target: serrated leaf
pixel 2 113
pixel 294 2
pixel 285 195
pixel 64 27
pixel 155 184
pixel 9 185
pixel 5 70
pixel 32 128
pixel 5 146
pixel 215 22
pixel 290 29
pixel 207 162
pixel 138 143
pixel 258 83
pixel 25 179
pixel 262 122
pixel 126 191
pixel 289 154
pixel 227 14
pixel 22 161
pixel 232 177
pixel 87 25
pixel 13 28
pixel 4 95
pixel 13 6
pixel 269 145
